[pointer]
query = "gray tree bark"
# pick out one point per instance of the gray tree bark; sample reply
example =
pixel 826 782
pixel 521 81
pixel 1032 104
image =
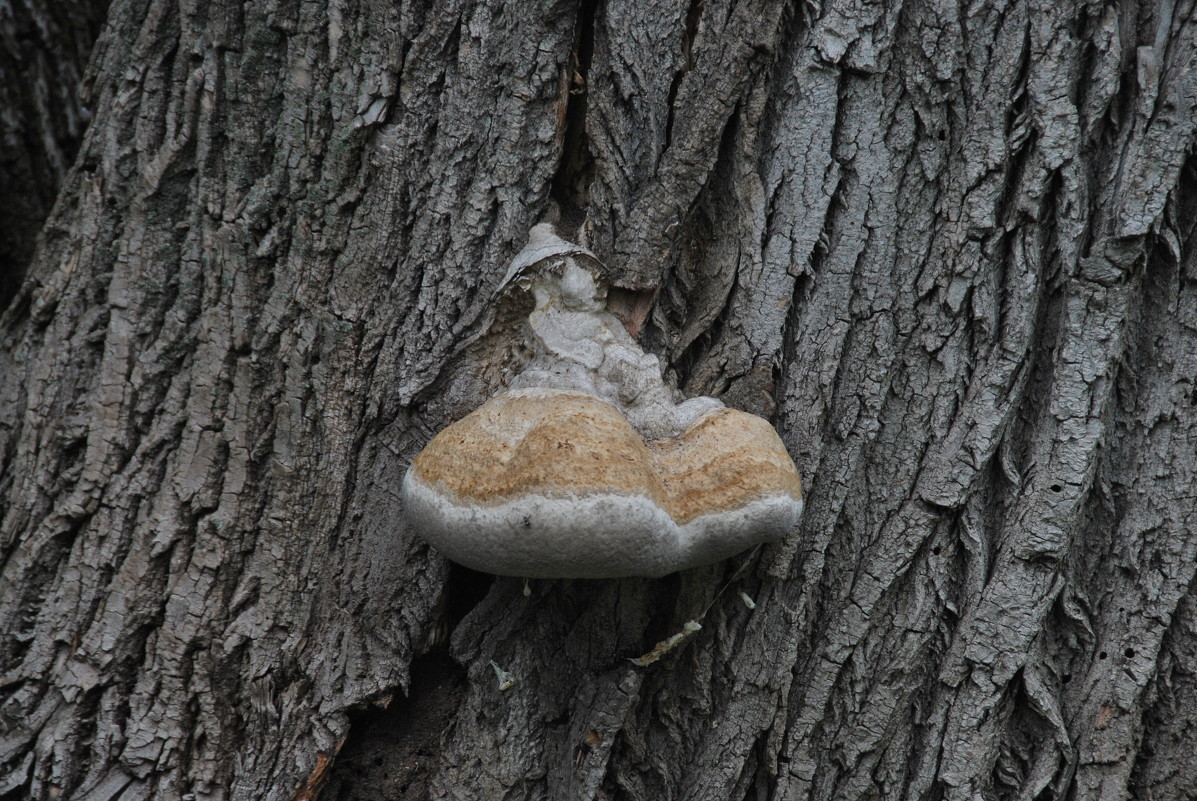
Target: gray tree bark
pixel 951 250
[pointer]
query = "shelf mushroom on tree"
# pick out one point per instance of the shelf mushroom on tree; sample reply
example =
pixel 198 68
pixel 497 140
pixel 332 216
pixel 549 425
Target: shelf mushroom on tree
pixel 588 465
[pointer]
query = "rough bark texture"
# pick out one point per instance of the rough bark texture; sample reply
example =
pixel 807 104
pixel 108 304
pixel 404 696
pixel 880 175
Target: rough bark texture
pixel 44 45
pixel 950 249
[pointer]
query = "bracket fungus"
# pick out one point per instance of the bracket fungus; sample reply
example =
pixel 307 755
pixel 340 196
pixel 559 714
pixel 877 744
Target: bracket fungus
pixel 588 465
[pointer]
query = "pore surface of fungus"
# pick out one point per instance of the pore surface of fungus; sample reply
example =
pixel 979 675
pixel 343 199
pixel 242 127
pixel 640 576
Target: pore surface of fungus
pixel 589 466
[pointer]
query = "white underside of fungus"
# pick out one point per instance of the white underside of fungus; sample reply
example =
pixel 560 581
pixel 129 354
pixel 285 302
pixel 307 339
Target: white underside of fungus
pixel 589 466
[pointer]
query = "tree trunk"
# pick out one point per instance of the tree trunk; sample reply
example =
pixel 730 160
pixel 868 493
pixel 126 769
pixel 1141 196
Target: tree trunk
pixel 950 251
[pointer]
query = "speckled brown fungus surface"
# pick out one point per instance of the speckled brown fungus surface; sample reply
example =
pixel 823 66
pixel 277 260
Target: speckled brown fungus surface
pixel 590 466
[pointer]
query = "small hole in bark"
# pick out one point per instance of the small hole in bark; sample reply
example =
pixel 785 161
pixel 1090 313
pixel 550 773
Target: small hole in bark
pixel 936 550
pixel 1067 678
pixel 1130 653
pixel 1102 655
pixel 1056 488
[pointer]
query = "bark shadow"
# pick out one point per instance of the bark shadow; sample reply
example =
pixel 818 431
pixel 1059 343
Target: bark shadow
pixel 392 753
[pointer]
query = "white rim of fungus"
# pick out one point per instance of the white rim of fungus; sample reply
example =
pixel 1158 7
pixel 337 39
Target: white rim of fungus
pixel 596 535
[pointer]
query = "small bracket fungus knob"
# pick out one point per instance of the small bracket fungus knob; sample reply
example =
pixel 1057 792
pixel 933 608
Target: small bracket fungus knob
pixel 590 467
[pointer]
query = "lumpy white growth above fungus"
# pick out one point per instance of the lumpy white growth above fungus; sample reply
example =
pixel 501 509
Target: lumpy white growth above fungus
pixel 588 466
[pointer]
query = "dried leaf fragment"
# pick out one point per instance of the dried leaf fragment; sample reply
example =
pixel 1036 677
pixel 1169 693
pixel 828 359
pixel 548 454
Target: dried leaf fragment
pixel 668 644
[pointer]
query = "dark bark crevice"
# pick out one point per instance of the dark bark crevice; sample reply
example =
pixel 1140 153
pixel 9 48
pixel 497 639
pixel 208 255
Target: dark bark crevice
pixel 44 49
pixel 576 169
pixel 394 745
